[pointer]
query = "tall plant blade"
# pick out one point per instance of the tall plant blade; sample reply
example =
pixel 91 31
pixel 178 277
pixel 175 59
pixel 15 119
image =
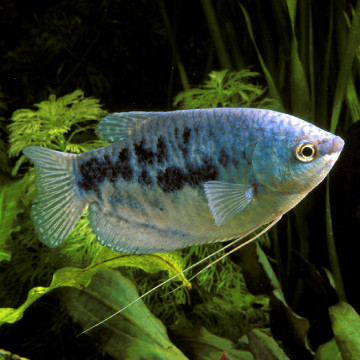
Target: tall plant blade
pixel 270 82
pixel 347 60
pixel 182 72
pixel 323 99
pixel 333 258
pixel 300 96
pixel 352 101
pixel 214 28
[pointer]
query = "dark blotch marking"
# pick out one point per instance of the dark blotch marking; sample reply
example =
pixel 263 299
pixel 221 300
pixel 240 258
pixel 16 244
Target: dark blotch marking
pixel 90 175
pixel 171 179
pixel 94 171
pixel 186 135
pixel 145 178
pixel 224 157
pixel 145 156
pixel 199 174
pixel 123 165
pixel 110 170
pixel 184 145
pixel 162 152
pixel 174 178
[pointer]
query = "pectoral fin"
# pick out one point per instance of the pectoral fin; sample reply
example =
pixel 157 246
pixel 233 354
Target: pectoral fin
pixel 226 199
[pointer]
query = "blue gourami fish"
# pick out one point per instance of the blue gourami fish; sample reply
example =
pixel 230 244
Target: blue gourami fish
pixel 175 179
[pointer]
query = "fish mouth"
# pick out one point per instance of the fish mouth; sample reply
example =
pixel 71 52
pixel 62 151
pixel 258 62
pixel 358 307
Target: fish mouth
pixel 337 146
pixel 335 150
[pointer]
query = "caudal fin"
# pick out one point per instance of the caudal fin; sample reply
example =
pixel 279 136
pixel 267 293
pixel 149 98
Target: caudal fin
pixel 58 204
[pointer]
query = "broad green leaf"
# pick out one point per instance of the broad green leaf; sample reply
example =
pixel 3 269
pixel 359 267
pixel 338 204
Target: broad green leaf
pixel 346 327
pixel 328 351
pixel 80 278
pixel 200 344
pixel 134 334
pixel 263 346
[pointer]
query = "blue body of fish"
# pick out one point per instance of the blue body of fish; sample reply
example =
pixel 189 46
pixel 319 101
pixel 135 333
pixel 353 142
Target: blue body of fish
pixel 175 179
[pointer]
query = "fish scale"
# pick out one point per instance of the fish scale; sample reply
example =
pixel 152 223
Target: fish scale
pixel 175 179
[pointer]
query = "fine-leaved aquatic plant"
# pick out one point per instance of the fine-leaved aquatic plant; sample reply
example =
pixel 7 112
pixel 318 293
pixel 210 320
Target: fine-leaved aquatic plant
pixel 64 124
pixel 227 89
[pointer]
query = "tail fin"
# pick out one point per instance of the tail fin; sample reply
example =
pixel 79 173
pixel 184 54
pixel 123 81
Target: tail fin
pixel 58 204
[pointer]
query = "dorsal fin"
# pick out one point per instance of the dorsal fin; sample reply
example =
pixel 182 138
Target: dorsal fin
pixel 118 126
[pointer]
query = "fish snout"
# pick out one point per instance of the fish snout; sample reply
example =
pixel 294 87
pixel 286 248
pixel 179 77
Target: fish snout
pixel 337 145
pixel 331 146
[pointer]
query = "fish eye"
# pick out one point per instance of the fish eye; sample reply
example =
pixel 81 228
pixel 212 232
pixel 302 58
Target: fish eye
pixel 305 151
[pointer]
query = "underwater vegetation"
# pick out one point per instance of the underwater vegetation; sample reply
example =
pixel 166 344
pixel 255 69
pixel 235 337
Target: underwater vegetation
pixel 293 296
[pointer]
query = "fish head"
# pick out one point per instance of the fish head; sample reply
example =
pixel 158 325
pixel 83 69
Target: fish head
pixel 295 157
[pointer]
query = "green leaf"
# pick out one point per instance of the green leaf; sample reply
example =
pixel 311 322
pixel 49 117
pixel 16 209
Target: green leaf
pixel 346 327
pixel 263 346
pixel 10 195
pixel 300 96
pixel 352 100
pixel 200 344
pixel 134 334
pixel 297 326
pixel 80 278
pixel 328 351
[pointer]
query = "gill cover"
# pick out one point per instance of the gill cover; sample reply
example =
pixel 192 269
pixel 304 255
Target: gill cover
pixel 284 165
